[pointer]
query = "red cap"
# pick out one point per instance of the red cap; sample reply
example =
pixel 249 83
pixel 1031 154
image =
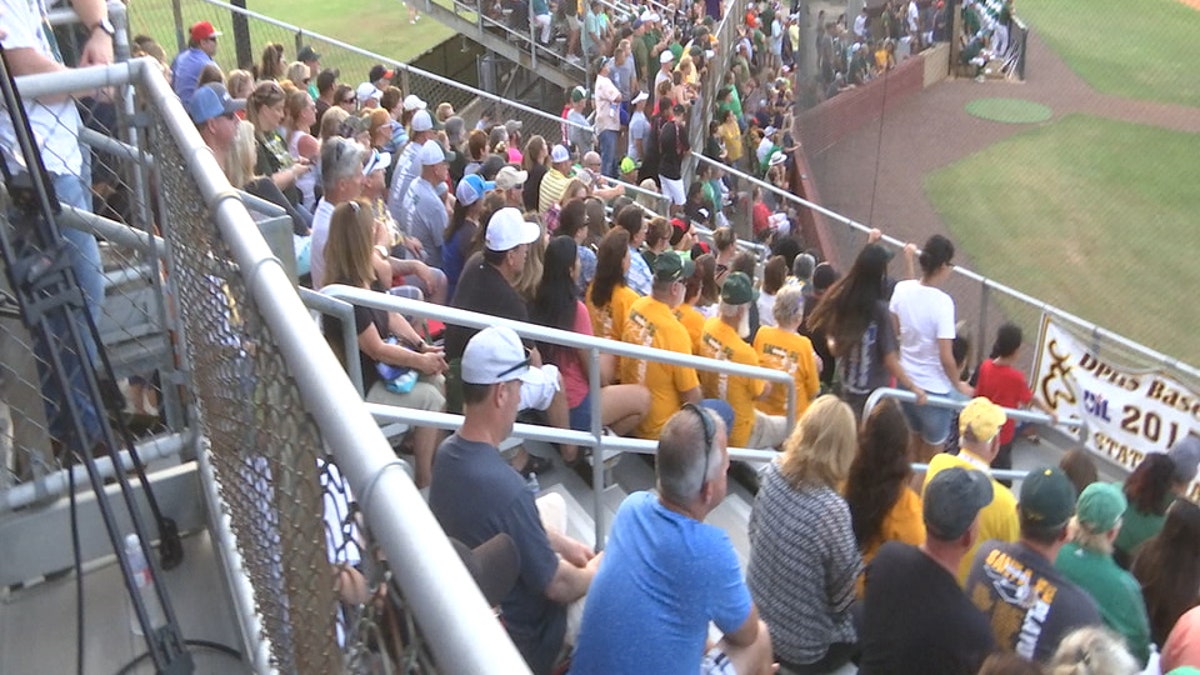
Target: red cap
pixel 202 30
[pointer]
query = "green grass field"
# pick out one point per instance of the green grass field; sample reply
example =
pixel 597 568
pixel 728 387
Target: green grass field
pixel 380 26
pixel 1143 49
pixel 1096 216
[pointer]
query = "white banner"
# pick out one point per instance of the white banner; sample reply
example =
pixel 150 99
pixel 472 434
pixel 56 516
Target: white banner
pixel 1128 412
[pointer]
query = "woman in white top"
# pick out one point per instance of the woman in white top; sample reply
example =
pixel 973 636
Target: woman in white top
pixel 924 317
pixel 300 114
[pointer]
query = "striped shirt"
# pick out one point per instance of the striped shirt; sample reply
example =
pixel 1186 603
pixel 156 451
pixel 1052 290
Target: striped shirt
pixel 803 566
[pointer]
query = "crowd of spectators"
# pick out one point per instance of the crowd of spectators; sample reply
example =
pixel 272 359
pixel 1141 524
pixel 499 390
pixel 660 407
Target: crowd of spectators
pixel 390 193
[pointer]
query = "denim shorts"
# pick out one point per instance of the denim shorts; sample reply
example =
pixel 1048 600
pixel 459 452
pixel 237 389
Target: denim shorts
pixel 932 423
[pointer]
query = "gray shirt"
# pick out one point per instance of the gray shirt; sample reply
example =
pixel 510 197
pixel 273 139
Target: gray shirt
pixel 427 219
pixel 406 169
pixel 639 128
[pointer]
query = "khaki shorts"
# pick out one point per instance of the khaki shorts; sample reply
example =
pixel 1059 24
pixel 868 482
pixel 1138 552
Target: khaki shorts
pixel 769 431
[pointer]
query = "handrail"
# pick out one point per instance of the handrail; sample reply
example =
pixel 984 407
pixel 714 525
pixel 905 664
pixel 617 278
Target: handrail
pixel 987 283
pixel 462 317
pixel 386 60
pixel 595 438
pixel 955 404
pixel 344 311
pixel 462 632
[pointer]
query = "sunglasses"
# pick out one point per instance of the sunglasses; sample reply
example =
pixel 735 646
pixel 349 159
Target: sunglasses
pixel 709 435
pixel 350 99
pixel 523 364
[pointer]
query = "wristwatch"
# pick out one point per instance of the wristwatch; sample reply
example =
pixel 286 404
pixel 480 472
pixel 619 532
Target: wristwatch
pixel 105 25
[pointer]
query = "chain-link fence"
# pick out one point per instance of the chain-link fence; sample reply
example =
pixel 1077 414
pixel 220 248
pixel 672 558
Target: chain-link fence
pixel 123 277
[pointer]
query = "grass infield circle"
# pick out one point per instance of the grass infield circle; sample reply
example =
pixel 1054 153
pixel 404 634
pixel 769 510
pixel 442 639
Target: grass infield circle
pixel 1009 110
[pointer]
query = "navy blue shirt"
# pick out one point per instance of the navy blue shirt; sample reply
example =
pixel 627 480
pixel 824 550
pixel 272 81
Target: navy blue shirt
pixel 475 495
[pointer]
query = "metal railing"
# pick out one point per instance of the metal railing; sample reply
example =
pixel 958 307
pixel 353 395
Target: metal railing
pixel 905 396
pixel 843 258
pixel 271 401
pixel 594 346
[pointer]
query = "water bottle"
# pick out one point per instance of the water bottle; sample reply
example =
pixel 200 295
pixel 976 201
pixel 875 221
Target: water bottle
pixel 144 581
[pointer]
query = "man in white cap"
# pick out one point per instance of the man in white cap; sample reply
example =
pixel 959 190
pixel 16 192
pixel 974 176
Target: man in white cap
pixel 556 179
pixel 639 127
pixel 476 496
pixel 425 205
pixel 666 61
pixel 511 182
pixel 368 95
pixel 407 168
pixel 486 286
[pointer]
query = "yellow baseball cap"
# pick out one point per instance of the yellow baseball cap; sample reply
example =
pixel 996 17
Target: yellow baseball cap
pixel 982 417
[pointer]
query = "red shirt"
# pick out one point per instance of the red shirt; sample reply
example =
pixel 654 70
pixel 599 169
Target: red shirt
pixel 1005 386
pixel 761 217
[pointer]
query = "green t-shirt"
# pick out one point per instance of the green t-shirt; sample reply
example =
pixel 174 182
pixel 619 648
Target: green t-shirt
pixel 735 102
pixel 1138 526
pixel 1116 592
pixel 641 58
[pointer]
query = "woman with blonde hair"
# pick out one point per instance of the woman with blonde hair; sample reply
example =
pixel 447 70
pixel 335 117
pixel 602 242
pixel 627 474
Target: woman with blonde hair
pixel 1092 650
pixel 531 275
pixel 803 556
pixel 298 74
pixel 383 337
pixel 299 115
pixel 265 110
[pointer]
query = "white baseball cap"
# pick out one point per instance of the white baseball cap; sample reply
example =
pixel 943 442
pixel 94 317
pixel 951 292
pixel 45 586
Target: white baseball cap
pixel 494 355
pixel 366 91
pixel 641 96
pixel 413 102
pixel 421 121
pixel 559 153
pixel 377 161
pixel 508 229
pixel 431 153
pixel 666 56
pixel 511 177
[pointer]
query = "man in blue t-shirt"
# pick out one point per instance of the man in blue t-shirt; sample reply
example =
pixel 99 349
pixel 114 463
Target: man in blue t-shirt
pixel 475 495
pixel 667 574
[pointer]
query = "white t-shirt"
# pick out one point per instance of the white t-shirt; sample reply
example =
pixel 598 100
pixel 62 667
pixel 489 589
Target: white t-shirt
pixel 320 234
pixel 926 315
pixel 55 125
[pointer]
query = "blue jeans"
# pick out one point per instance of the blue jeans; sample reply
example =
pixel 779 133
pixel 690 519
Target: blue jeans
pixel 608 153
pixel 85 261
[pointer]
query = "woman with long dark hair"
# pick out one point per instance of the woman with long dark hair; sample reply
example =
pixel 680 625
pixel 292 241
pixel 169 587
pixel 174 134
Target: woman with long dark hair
pixel 1168 568
pixel 537 153
pixel 608 298
pixel 882 505
pixel 1148 491
pixel 853 315
pixel 557 305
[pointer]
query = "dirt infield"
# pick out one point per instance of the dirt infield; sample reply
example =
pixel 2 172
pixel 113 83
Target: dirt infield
pixel 1194 4
pixel 875 174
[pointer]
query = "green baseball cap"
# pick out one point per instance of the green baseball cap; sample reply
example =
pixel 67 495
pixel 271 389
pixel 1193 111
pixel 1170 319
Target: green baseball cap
pixel 738 289
pixel 672 267
pixel 1047 497
pixel 1100 506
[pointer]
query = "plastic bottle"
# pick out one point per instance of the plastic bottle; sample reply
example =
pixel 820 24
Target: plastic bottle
pixel 145 585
